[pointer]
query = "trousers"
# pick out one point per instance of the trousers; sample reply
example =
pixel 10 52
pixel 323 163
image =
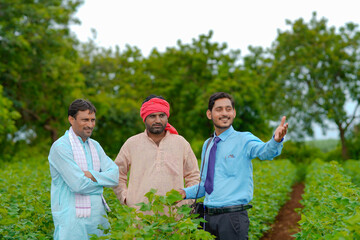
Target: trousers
pixel 228 226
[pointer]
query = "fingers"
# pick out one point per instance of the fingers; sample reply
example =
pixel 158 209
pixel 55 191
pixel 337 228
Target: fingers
pixel 284 130
pixel 182 192
pixel 286 126
pixel 283 119
pixel 281 129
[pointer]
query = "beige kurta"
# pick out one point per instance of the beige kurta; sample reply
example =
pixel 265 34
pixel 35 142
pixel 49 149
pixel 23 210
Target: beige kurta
pixel 162 167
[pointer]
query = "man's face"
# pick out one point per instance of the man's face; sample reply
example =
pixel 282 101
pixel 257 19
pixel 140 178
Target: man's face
pixel 156 122
pixel 222 114
pixel 83 124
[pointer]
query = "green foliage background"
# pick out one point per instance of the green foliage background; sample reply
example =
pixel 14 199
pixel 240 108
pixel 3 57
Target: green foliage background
pixel 25 211
pixel 308 74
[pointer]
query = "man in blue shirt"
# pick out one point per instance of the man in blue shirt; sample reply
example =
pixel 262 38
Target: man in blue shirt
pixel 80 170
pixel 227 181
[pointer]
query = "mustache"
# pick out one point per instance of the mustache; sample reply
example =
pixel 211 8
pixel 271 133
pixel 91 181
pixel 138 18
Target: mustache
pixel 88 128
pixel 157 125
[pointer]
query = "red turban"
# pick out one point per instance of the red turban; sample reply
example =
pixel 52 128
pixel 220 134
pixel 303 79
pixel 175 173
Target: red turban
pixel 157 105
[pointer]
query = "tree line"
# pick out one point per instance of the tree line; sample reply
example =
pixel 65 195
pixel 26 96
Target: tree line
pixel 309 73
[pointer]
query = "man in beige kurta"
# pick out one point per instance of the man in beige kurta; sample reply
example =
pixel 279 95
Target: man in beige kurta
pixel 158 158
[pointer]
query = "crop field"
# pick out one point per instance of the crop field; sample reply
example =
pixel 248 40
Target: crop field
pixel 308 73
pixel 331 201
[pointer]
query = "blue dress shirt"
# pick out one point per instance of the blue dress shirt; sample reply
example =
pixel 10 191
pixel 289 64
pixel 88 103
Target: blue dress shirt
pixel 233 178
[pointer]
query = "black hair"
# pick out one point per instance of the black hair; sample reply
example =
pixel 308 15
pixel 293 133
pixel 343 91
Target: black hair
pixel 150 97
pixel 217 96
pixel 80 105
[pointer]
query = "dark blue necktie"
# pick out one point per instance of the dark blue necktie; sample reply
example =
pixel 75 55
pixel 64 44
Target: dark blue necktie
pixel 209 182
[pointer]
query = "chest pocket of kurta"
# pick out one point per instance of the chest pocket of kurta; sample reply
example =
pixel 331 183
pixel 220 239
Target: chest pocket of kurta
pixel 230 165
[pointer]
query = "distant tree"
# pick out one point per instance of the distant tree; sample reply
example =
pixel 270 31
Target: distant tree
pixel 186 75
pixel 354 142
pixel 189 73
pixel 38 62
pixel 8 115
pixel 315 72
pixel 116 82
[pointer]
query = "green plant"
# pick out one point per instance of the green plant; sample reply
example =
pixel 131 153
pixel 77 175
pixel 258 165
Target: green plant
pixel 272 183
pixel 331 204
pixel 25 200
pixel 352 168
pixel 159 218
pixel 272 179
pixel 25 211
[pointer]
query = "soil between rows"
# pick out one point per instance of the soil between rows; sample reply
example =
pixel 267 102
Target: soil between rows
pixel 285 223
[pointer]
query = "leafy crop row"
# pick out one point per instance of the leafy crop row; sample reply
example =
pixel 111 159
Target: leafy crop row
pixel 163 220
pixel 352 168
pixel 25 202
pixel 331 204
pixel 272 180
pixel 272 183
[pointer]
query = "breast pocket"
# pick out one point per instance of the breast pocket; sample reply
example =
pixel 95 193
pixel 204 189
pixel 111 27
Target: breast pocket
pixel 230 165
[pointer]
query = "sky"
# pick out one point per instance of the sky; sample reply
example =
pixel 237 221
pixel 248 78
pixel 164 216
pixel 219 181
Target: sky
pixel 161 23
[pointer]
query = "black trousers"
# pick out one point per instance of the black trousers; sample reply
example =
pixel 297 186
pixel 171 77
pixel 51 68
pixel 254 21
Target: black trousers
pixel 228 226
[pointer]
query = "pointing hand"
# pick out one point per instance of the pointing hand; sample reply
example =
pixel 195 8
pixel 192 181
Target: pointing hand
pixel 281 130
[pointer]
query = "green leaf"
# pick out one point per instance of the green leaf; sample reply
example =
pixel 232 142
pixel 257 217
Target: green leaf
pixel 173 196
pixel 144 206
pixel 150 195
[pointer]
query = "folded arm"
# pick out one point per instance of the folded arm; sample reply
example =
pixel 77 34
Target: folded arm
pixel 109 172
pixel 62 160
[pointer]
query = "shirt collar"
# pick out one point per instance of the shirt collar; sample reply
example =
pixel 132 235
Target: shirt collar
pixel 166 134
pixel 223 136
pixel 80 139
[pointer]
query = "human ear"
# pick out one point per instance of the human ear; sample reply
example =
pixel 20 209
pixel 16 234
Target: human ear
pixel 71 120
pixel 208 114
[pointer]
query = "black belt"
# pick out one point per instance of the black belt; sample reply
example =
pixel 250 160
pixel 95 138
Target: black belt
pixel 236 208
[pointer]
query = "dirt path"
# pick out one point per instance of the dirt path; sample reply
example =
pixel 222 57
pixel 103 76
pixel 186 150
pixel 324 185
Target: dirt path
pixel 286 221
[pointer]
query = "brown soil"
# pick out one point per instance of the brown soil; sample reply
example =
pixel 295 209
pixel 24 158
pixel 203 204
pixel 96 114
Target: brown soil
pixel 286 221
